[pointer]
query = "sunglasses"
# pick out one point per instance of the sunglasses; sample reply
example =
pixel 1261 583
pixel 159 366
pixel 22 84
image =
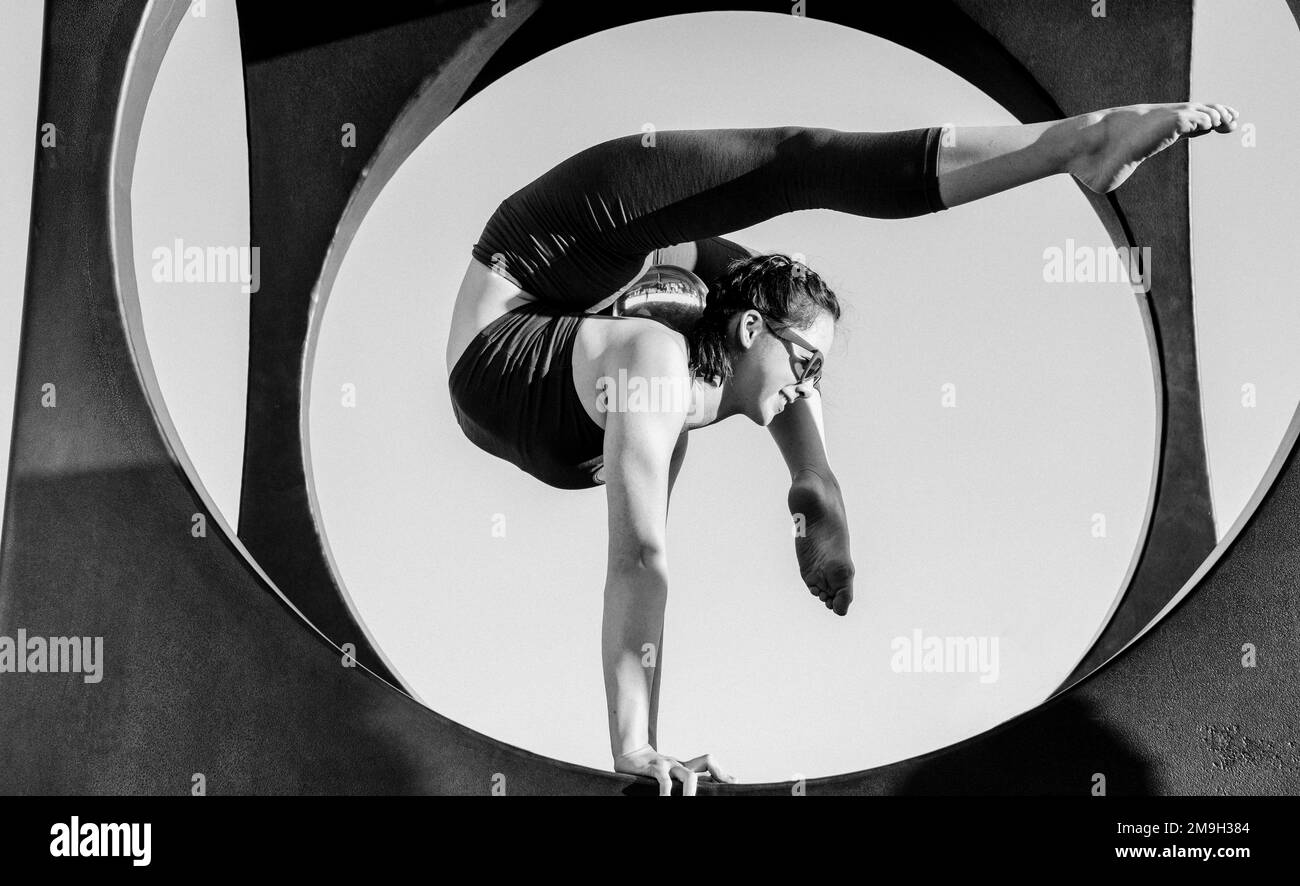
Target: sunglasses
pixel 812 368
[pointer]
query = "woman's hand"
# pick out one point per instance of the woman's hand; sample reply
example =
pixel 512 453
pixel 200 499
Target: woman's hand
pixel 663 769
pixel 822 547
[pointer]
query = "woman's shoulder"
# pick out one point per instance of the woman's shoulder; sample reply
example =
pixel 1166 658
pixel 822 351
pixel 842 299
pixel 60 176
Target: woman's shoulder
pixel 642 344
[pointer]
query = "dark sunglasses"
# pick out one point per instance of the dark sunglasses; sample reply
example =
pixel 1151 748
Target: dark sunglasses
pixel 813 367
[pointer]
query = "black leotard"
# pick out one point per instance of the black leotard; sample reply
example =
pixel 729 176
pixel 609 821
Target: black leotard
pixel 582 231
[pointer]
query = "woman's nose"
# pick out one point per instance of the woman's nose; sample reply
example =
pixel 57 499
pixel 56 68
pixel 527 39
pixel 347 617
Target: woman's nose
pixel 804 389
pixel 797 392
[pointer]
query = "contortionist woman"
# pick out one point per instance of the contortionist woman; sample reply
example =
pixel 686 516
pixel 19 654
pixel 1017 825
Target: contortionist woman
pixel 531 358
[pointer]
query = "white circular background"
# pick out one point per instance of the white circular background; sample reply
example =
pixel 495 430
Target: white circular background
pixel 970 521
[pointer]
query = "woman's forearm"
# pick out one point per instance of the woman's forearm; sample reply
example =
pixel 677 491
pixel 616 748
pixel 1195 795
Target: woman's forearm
pixel 630 630
pixel 656 682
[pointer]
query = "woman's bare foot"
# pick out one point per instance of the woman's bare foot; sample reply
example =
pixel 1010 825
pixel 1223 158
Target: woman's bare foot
pixel 1115 141
pixel 822 547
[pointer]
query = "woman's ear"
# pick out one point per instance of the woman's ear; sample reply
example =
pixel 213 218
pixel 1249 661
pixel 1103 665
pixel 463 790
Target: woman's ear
pixel 748 324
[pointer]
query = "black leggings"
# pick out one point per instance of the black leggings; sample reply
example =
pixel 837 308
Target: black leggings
pixel 581 231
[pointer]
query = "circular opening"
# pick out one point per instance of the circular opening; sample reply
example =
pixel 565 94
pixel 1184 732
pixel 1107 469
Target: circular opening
pixel 973 426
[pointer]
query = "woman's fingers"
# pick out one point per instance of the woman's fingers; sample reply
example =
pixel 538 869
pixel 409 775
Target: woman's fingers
pixel 661 775
pixel 665 770
pixel 688 780
pixel 705 763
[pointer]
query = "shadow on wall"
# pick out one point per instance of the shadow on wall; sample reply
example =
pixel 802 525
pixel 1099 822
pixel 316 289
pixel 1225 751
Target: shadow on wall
pixel 1063 751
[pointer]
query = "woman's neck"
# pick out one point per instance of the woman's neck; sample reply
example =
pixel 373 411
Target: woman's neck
pixel 709 404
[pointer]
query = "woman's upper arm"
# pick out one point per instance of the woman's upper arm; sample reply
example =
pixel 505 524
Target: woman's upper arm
pixel 638 450
pixel 679 456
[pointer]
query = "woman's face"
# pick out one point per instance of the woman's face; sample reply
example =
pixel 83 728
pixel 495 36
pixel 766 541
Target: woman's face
pixel 768 368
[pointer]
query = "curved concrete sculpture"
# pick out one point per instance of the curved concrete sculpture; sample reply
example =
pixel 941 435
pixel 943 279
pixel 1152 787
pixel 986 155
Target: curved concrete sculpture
pixel 213 666
pixel 396 77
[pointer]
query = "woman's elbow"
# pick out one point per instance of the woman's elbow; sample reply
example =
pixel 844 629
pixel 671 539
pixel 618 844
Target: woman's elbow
pixel 639 560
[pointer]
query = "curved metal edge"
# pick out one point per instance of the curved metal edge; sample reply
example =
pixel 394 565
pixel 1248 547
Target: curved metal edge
pixel 152 39
pixel 422 113
pixel 151 42
pixel 1120 235
pixel 1230 537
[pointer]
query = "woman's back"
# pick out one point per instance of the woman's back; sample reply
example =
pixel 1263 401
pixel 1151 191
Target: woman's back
pixel 526 386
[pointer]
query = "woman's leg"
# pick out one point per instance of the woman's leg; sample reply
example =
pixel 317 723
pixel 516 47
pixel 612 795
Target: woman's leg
pixel 707 259
pixel 1101 149
pixel 800 434
pixel 583 229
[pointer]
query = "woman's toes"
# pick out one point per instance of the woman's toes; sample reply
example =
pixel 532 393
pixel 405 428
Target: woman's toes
pixel 1222 117
pixel 1225 124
